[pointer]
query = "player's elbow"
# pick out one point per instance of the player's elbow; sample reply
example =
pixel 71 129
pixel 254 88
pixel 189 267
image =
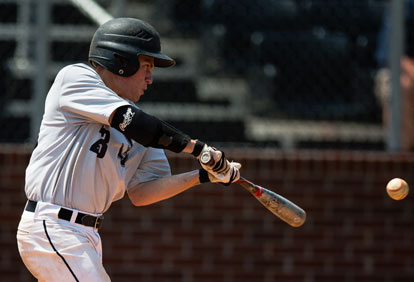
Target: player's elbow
pixel 138 199
pixel 138 202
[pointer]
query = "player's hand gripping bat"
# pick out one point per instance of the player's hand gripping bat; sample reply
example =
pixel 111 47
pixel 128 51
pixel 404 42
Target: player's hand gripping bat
pixel 278 205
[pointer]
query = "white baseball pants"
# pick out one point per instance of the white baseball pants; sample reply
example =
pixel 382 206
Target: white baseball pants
pixel 58 250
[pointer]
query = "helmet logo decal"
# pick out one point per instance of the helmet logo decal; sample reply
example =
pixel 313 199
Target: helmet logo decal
pixel 144 35
pixel 127 119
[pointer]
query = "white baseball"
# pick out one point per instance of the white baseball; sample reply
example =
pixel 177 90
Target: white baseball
pixel 397 189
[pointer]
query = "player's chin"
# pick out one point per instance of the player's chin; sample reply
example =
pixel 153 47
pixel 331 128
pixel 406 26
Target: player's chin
pixel 138 95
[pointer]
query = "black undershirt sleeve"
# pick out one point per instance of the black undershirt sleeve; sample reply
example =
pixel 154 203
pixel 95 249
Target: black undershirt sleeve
pixel 148 130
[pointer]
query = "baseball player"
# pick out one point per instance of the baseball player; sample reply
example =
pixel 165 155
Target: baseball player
pixel 94 145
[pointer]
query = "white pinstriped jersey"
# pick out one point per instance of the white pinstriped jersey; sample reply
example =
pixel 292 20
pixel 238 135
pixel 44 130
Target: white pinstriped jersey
pixel 80 162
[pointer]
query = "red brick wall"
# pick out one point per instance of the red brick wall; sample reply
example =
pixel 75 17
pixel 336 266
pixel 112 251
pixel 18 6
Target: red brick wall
pixel 354 232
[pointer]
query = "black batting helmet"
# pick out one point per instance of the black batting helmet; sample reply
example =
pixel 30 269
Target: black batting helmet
pixel 117 43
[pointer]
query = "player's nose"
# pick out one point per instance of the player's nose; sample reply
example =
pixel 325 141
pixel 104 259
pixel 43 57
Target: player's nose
pixel 148 77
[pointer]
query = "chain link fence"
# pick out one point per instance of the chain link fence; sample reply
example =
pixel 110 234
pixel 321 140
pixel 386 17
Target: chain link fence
pixel 290 74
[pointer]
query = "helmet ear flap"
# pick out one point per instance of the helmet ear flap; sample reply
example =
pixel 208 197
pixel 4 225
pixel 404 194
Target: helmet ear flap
pixel 122 60
pixel 125 65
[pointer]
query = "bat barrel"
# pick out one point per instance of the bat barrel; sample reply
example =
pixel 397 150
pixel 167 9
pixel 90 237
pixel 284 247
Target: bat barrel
pixel 283 208
pixel 277 204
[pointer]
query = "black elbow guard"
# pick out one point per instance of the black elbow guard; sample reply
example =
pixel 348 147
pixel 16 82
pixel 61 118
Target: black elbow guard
pixel 148 130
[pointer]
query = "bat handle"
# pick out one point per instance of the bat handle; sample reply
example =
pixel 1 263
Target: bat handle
pixel 253 188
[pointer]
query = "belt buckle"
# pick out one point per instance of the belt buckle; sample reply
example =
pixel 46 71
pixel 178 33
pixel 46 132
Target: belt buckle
pixel 98 222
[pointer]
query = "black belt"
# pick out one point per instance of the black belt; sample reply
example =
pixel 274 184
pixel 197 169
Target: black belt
pixel 81 218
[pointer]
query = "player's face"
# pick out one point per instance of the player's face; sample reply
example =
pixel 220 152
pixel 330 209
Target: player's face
pixel 133 87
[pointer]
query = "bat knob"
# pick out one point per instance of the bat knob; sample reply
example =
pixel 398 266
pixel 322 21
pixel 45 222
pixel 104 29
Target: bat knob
pixel 205 158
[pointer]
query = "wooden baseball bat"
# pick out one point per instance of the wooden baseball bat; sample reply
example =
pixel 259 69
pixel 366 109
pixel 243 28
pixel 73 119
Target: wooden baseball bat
pixel 278 205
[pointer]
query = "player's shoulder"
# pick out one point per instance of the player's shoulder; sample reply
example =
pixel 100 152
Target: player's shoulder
pixel 78 67
pixel 77 72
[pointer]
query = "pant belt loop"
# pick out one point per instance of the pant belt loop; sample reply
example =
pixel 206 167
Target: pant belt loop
pixel 73 217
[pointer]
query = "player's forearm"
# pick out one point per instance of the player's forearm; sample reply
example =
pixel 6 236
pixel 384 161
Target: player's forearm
pixel 157 190
pixel 152 132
